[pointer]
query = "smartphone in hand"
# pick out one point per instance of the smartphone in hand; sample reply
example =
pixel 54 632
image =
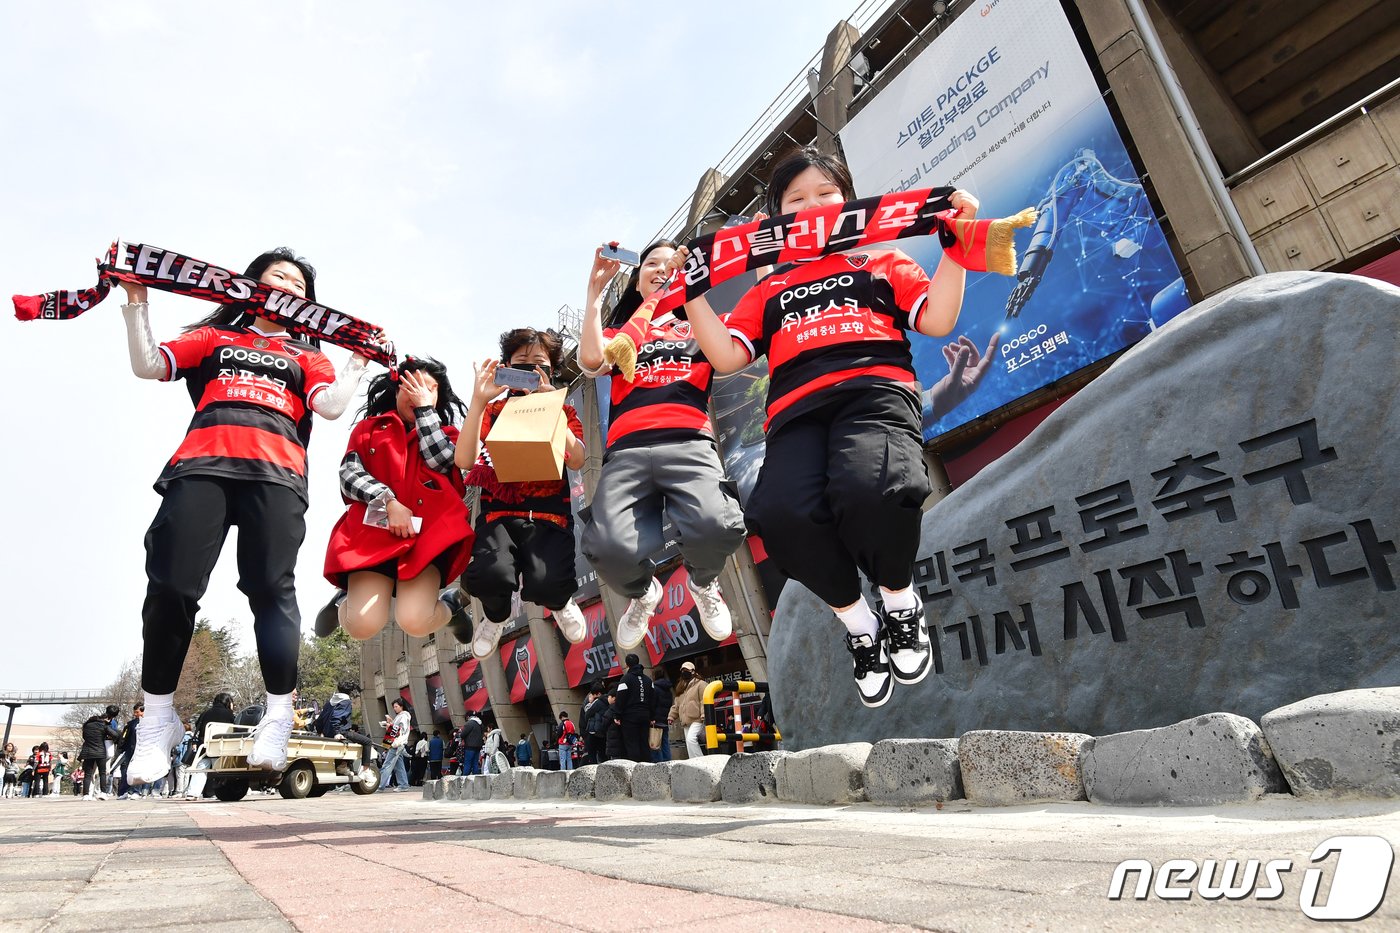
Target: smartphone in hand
pixel 524 379
pixel 625 256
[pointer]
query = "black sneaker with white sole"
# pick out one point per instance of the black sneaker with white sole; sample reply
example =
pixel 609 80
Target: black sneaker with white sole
pixel 461 622
pixel 328 619
pixel 870 659
pixel 907 632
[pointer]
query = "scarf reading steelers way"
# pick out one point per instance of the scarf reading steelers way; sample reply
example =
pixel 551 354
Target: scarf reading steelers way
pixel 978 245
pixel 172 272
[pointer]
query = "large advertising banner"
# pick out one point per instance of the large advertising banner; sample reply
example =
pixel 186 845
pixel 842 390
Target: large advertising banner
pixel 1003 105
pixel 438 700
pixel 594 658
pixel 522 669
pixel 474 695
pixel 578 501
pixel 738 400
pixel 675 631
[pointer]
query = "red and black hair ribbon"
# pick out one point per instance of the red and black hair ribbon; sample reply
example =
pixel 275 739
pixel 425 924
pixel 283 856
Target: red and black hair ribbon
pixel 172 272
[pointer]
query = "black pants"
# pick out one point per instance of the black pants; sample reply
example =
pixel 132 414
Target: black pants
pixel 596 747
pixel 40 786
pixel 364 741
pixel 840 493
pixel 434 770
pixel 182 546
pixel 635 741
pixel 539 553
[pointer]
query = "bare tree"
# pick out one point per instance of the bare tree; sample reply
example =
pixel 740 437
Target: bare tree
pixel 125 691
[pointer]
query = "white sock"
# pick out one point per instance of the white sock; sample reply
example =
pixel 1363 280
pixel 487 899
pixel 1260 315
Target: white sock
pixel 279 703
pixel 159 703
pixel 899 600
pixel 858 619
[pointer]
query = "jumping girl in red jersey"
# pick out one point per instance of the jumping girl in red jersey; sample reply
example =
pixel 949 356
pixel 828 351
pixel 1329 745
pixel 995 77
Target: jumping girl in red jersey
pixel 242 462
pixel 661 455
pixel 843 478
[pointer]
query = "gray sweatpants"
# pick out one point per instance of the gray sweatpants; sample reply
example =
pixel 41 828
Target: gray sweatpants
pixel 624 531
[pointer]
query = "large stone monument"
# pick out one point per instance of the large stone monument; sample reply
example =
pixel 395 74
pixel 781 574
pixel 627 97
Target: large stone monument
pixel 1210 526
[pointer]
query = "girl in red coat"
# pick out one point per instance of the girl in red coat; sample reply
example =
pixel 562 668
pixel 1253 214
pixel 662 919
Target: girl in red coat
pixel 398 469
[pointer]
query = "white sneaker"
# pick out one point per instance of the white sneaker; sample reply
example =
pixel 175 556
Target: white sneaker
pixel 270 739
pixel 635 622
pixel 156 736
pixel 571 623
pixel 486 638
pixel 714 614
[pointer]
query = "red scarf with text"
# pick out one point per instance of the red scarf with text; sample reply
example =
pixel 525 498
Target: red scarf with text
pixel 977 245
pixel 172 272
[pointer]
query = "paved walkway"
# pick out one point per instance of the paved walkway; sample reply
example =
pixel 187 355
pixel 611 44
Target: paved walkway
pixel 394 862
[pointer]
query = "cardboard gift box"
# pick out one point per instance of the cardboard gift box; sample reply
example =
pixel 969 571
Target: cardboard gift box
pixel 527 439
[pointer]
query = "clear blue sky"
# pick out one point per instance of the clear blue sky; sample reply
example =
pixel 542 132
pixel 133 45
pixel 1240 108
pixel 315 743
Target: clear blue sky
pixel 447 167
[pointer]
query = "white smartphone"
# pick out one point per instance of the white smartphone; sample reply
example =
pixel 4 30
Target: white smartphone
pixel 625 256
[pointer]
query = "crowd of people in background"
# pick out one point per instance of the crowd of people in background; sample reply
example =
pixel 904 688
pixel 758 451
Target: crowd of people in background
pixel 40 774
pixel 630 719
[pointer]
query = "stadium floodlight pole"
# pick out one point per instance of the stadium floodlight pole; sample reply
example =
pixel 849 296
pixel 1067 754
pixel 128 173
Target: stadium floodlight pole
pixel 1186 116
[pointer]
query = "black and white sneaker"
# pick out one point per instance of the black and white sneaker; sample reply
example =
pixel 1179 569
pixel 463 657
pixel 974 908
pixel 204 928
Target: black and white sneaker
pixel 907 632
pixel 871 659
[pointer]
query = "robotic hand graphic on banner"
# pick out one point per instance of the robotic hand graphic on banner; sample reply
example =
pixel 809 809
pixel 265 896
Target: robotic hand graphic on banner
pixel 1084 195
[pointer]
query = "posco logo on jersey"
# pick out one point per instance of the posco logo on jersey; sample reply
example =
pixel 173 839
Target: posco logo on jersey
pixel 252 357
pixel 815 288
pixel 657 345
pixel 1358 885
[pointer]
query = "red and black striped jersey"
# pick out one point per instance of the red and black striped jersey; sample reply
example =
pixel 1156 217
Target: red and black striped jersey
pixel 669 400
pixel 832 325
pixel 252 394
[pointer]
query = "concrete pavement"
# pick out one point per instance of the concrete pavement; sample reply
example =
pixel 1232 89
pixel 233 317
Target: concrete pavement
pixel 395 862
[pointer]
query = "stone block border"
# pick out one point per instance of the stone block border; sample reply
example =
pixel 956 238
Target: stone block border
pixel 1332 747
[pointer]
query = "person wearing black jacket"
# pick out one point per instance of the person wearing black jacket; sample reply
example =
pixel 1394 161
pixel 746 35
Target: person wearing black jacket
pixel 126 750
pixel 97 732
pixel 334 722
pixel 593 719
pixel 220 710
pixel 473 737
pixel 662 698
pixel 612 735
pixel 634 710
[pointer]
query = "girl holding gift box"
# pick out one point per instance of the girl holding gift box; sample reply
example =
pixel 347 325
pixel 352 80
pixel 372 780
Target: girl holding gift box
pixel 661 455
pixel 844 479
pixel 399 465
pixel 524 530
